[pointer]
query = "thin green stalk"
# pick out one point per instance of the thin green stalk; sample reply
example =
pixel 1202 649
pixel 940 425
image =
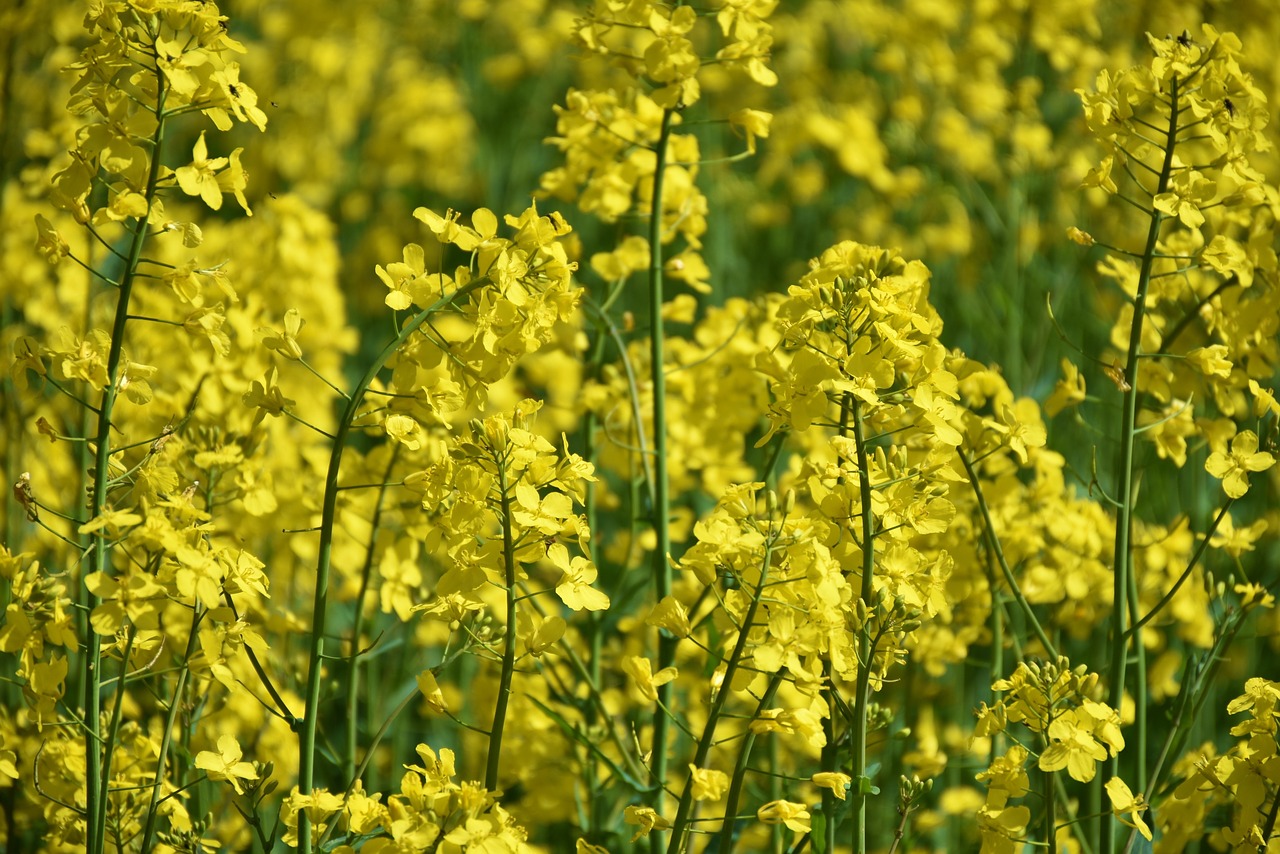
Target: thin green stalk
pixel 357 625
pixel 95 798
pixel 113 728
pixel 1050 814
pixel 661 484
pixel 1123 553
pixel 509 646
pixel 310 719
pixel 679 827
pixel 993 542
pixel 740 769
pixel 166 739
pixel 862 690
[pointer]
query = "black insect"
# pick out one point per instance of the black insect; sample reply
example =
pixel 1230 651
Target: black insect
pixel 1231 108
pixel 1185 39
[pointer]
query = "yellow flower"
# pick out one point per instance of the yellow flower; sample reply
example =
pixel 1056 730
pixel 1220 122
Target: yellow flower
pixel 1073 747
pixel 646 818
pixel 200 176
pixel 794 816
pixel 643 678
pixel 669 614
pixel 285 343
pixel 1233 468
pixel 431 691
pixel 833 780
pixel 574 587
pixel 226 764
pixel 1123 801
pixel 708 785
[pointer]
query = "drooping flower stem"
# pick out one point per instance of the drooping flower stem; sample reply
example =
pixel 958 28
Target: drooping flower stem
pixel 661 485
pixel 96 789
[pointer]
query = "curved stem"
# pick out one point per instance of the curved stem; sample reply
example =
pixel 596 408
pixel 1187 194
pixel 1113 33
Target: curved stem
pixel 310 719
pixel 994 543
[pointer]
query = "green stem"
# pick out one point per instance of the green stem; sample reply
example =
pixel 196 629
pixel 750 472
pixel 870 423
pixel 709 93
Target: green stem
pixel 862 691
pixel 740 770
pixel 166 739
pixel 328 515
pixel 993 543
pixel 357 625
pixel 509 646
pixel 95 785
pixel 1123 553
pixel 661 484
pixel 680 826
pixel 1050 814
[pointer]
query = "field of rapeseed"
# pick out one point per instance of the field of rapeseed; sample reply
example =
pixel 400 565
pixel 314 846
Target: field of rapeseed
pixel 609 426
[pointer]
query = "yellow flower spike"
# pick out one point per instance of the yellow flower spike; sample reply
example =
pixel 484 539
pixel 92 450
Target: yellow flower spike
pixel 226 764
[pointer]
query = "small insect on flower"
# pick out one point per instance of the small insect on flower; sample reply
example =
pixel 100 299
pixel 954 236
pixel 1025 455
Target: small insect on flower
pixel 1230 107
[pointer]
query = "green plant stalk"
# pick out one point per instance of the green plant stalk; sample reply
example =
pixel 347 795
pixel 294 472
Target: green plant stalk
pixel 95 784
pixel 509 647
pixel 993 543
pixel 311 715
pixel 680 826
pixel 661 483
pixel 1050 814
pixel 357 626
pixel 740 769
pixel 1123 553
pixel 113 728
pixel 862 690
pixel 166 739
pixel 830 760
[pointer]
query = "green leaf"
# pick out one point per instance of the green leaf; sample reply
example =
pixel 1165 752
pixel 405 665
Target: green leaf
pixel 817 831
